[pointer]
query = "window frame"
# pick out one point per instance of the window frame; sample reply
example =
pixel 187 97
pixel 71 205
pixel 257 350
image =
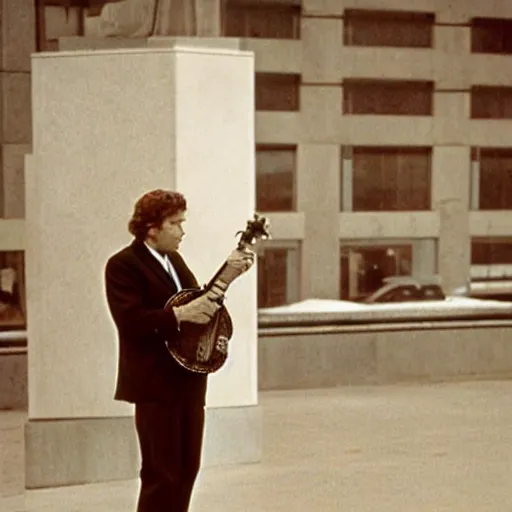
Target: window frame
pixel 480 182
pixel 279 147
pixel 478 93
pixel 492 269
pixel 345 245
pixel 269 80
pixel 293 8
pixel 353 85
pixel 503 26
pixel 381 16
pixel 293 290
pixel 350 153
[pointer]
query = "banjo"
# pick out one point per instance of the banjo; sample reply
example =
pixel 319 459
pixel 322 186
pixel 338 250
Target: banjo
pixel 203 348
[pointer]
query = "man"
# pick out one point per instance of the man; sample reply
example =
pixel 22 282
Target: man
pixel 169 400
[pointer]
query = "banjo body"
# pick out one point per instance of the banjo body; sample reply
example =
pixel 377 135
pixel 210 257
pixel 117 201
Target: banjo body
pixel 203 348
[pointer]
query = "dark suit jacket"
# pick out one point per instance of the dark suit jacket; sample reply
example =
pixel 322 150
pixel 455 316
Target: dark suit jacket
pixel 137 288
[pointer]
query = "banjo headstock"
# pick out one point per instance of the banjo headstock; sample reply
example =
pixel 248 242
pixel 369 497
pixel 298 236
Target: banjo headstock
pixel 256 229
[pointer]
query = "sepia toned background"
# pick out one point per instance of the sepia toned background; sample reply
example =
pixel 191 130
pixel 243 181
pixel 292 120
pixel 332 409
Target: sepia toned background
pixel 382 148
pixel 382 131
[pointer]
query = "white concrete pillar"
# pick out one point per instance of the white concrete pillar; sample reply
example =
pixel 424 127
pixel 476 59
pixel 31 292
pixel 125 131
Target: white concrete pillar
pixel 423 257
pixel 450 198
pixel 109 126
pixel 318 183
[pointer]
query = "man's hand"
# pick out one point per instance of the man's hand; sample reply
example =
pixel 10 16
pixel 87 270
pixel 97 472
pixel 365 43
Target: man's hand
pixel 241 260
pixel 198 311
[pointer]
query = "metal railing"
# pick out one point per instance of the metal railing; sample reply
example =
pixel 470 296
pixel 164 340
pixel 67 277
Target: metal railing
pixel 387 317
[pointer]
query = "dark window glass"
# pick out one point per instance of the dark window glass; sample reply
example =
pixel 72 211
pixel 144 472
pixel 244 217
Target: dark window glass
pixel 364 268
pixel 278 276
pixel 495 179
pixel 388 28
pixel 491 251
pixel 386 97
pixel 277 91
pixel 491 35
pixel 391 179
pixel 265 20
pixel 275 178
pixel 491 102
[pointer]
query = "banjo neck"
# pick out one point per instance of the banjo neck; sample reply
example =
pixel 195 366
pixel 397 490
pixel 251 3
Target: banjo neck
pixel 225 275
pixel 256 229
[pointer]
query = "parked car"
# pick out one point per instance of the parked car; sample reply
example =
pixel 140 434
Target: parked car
pixel 407 289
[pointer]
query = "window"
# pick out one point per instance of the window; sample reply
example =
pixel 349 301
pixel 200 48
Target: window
pixel 278 274
pixel 494 179
pixel 491 102
pixel 491 259
pixel 388 97
pixel 491 250
pixel 12 290
pixel 277 91
pixel 386 179
pixel 279 20
pixel 367 267
pixel 275 178
pixel 491 35
pixel 388 28
pixel 364 268
pixel 491 268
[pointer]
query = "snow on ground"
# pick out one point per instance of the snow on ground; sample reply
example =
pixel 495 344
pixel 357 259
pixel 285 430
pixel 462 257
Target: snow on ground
pixel 339 306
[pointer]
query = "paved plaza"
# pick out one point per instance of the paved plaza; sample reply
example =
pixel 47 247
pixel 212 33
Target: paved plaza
pixel 414 448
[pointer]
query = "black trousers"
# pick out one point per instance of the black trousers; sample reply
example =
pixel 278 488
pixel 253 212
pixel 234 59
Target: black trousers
pixel 170 439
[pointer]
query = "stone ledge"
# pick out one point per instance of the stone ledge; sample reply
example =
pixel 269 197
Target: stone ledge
pixel 73 43
pixel 301 361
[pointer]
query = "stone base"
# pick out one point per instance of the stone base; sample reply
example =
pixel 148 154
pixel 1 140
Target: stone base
pixel 80 451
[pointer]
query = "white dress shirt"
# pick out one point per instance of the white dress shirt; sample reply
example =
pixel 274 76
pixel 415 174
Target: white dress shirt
pixel 166 263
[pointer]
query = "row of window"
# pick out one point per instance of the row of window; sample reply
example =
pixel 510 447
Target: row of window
pixel 362 270
pixel 281 92
pixel 383 178
pixel 363 267
pixel 282 20
pixel 361 27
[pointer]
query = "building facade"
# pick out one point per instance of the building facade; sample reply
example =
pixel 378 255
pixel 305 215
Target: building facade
pixel 383 131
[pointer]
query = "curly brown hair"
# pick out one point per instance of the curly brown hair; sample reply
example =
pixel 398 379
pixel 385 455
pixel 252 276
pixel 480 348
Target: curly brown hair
pixel 152 209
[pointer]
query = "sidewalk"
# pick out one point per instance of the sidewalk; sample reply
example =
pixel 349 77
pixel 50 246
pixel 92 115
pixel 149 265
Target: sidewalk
pixel 432 448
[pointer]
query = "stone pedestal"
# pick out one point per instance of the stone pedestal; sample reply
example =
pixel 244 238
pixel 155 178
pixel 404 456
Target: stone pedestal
pixel 109 126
